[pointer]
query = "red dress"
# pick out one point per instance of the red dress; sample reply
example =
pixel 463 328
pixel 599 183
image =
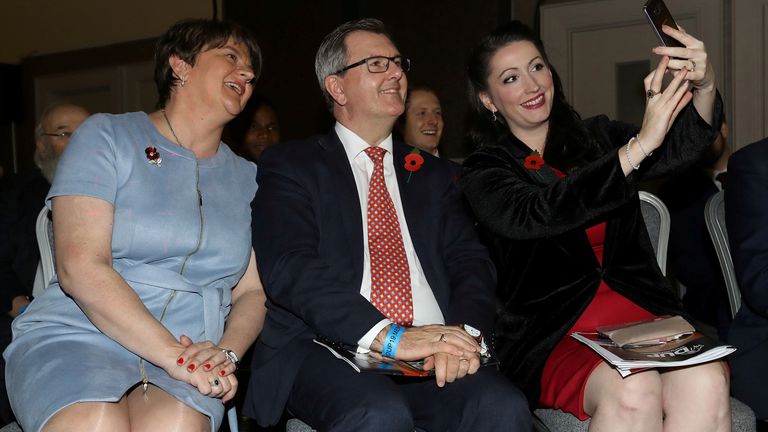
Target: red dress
pixel 569 365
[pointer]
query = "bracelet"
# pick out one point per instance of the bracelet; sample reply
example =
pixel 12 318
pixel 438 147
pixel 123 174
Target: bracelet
pixel 629 159
pixel 392 340
pixel 22 309
pixel 634 138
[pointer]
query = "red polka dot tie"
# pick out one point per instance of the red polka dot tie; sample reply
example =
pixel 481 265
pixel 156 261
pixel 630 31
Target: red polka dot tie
pixel 390 276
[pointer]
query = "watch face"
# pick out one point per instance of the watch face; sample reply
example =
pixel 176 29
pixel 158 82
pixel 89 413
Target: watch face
pixel 472 331
pixel 232 357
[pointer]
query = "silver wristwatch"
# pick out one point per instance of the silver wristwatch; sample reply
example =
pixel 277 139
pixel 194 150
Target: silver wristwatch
pixel 232 357
pixel 478 335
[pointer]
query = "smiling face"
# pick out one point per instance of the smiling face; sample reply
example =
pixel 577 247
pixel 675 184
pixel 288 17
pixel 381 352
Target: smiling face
pixel 423 121
pixel 221 77
pixel 362 96
pixel 520 87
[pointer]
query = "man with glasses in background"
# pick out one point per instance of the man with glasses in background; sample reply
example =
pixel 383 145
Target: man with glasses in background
pixel 365 242
pixel 21 199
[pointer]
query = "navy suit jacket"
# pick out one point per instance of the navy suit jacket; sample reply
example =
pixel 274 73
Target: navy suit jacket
pixel 308 238
pixel 746 212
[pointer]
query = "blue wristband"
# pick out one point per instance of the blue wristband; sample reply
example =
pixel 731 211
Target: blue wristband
pixel 22 309
pixel 392 340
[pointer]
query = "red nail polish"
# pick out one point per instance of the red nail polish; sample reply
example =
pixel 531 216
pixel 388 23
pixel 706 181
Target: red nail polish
pixel 222 372
pixel 207 366
pixel 180 361
pixel 191 368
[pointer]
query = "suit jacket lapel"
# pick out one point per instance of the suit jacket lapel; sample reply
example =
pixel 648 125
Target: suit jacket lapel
pixel 413 189
pixel 346 197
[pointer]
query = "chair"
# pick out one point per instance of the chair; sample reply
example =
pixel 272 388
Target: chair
pixel 657 221
pixel 46 268
pixel 714 217
pixel 11 427
pixel 296 425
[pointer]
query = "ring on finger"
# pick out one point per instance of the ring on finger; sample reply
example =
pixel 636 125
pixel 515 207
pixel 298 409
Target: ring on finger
pixel 215 382
pixel 693 66
pixel 650 93
pixel 442 337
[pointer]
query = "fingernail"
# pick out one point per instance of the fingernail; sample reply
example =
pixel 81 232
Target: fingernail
pixel 222 372
pixel 191 368
pixel 207 366
pixel 180 361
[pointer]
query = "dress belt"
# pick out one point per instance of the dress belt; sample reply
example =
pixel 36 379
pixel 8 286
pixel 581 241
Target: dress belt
pixel 213 297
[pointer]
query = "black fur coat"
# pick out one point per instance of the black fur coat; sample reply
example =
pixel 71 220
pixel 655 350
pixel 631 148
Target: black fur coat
pixel 534 225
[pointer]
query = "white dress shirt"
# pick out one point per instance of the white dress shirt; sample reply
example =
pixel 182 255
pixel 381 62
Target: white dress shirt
pixel 425 307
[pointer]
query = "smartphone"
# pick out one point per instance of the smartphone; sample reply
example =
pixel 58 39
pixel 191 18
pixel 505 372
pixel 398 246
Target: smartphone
pixel 658 14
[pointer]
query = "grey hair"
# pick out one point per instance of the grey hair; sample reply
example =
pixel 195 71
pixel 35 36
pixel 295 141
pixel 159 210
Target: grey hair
pixel 332 54
pixel 39 129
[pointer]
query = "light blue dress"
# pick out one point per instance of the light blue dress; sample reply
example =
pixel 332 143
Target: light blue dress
pixel 181 258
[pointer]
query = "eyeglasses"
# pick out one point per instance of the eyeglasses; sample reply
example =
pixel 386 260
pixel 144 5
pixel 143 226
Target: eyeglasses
pixel 379 64
pixel 58 134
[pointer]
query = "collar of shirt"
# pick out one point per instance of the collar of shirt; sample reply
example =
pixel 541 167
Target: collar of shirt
pixel 354 145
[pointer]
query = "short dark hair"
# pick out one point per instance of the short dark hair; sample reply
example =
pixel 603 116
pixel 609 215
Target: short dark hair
pixel 569 144
pixel 332 54
pixel 239 126
pixel 188 38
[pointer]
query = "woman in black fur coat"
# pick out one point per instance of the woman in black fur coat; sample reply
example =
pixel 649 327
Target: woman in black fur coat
pixel 556 202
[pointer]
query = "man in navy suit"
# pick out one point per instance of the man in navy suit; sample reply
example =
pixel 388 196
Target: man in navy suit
pixel 746 212
pixel 317 236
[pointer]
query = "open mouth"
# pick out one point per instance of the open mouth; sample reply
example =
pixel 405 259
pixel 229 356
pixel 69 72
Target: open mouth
pixel 239 89
pixel 534 103
pixel 395 91
pixel 430 132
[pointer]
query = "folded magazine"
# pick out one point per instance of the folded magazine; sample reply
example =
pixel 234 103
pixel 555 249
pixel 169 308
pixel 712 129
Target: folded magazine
pixel 364 362
pixel 686 351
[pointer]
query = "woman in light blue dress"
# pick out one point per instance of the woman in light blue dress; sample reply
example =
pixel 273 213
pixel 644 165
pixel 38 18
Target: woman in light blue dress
pixel 157 293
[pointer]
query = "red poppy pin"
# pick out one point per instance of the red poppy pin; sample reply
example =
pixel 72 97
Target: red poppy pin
pixel 413 162
pixel 534 161
pixel 153 156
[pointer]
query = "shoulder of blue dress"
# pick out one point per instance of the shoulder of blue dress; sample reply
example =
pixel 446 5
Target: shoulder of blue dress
pixel 242 165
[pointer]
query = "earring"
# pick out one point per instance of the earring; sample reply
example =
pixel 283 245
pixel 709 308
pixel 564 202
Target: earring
pixel 493 116
pixel 183 81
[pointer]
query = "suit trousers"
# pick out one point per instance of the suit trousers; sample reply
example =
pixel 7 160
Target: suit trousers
pixel 331 396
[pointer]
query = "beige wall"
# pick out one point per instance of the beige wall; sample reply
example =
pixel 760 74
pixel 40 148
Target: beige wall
pixel 29 27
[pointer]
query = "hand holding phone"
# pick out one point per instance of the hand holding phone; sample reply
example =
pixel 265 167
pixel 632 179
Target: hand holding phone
pixel 658 15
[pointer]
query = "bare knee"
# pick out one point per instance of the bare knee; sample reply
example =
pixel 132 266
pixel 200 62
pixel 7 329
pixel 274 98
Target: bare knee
pixel 712 379
pixel 703 390
pixel 637 396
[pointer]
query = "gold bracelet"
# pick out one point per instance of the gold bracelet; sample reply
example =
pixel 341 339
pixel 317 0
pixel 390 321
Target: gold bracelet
pixel 629 159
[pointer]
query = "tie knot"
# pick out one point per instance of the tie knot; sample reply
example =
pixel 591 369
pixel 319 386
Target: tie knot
pixel 376 153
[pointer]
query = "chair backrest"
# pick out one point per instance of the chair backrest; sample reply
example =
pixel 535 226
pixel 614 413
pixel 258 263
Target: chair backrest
pixel 714 217
pixel 47 268
pixel 657 221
